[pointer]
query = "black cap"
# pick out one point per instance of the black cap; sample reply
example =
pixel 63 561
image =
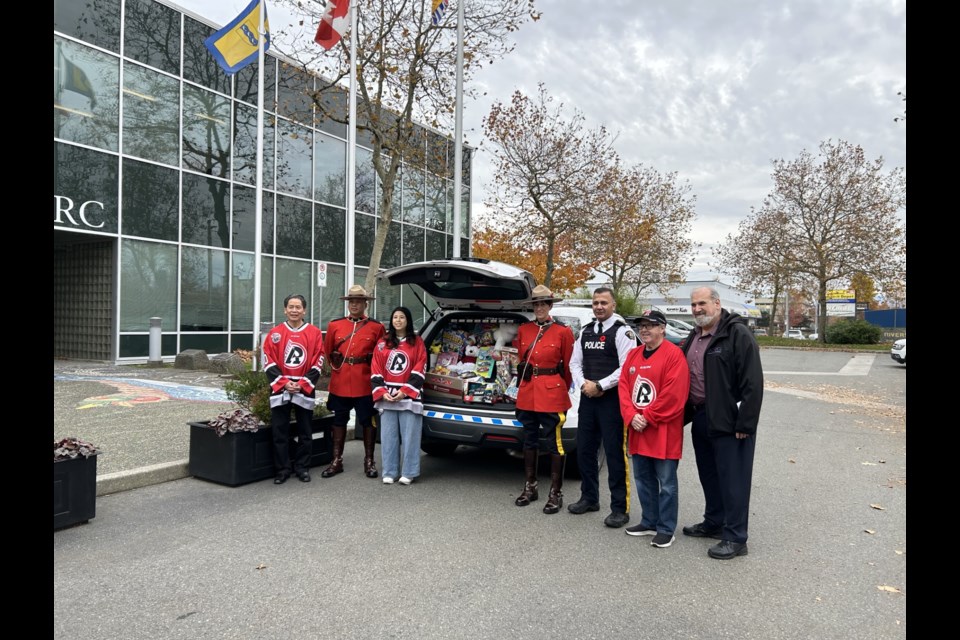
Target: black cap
pixel 654 316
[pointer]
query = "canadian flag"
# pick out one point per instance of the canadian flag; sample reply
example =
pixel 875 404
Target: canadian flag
pixel 333 23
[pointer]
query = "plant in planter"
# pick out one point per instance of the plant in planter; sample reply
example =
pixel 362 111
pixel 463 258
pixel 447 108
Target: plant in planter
pixel 236 447
pixel 74 482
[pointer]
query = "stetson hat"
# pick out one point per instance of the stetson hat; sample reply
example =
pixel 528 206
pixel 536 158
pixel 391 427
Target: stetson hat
pixel 356 292
pixel 543 294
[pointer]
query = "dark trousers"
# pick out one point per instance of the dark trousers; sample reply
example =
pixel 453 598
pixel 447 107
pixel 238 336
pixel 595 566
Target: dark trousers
pixel 600 422
pixel 725 467
pixel 341 406
pixel 552 423
pixel 280 425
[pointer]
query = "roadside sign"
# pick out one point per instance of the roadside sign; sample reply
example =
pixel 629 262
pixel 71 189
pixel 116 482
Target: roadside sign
pixel 321 274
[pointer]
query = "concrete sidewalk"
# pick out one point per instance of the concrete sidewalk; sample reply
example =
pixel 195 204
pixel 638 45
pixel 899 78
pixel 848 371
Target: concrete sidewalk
pixel 136 415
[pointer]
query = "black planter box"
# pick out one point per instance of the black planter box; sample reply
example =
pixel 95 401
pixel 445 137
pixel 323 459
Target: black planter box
pixel 74 491
pixel 242 457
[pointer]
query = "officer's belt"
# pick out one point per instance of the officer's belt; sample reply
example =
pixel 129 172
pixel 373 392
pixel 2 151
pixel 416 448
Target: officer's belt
pixel 361 360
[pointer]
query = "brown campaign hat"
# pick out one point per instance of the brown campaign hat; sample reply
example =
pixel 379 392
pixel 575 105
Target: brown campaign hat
pixel 543 294
pixel 356 292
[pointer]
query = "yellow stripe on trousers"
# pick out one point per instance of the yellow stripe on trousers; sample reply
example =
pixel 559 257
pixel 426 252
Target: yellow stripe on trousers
pixel 626 465
pixel 556 432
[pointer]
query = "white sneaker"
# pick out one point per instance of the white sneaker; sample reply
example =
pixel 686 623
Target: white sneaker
pixel 388 480
pixel 406 480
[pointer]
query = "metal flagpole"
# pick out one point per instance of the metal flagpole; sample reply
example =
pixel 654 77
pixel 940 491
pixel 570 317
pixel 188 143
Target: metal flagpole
pixel 258 202
pixel 458 135
pixel 352 154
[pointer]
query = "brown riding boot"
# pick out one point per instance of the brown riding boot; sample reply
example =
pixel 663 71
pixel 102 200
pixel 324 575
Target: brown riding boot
pixel 530 487
pixel 555 499
pixel 369 443
pixel 336 465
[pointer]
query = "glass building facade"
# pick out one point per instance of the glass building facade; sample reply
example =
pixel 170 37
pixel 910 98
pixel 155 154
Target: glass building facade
pixel 155 190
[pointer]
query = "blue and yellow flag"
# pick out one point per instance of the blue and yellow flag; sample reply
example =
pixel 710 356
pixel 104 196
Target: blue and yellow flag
pixel 235 45
pixel 439 8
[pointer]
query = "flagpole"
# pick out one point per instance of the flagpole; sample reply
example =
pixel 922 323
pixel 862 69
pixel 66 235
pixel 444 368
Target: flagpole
pixel 258 202
pixel 458 135
pixel 352 154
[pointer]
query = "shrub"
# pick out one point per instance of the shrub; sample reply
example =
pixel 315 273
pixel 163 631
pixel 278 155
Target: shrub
pixel 853 332
pixel 70 448
pixel 250 390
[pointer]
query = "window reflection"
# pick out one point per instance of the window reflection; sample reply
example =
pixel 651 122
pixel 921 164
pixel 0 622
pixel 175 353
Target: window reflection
pixel 152 34
pixel 93 21
pixel 413 195
pixel 365 182
pixel 294 227
pixel 245 147
pixel 203 290
pixel 295 153
pixel 150 201
pixel 148 284
pixel 85 90
pixel 206 132
pixel 82 176
pixel 330 172
pixel 365 229
pixel 206 211
pixel 198 65
pixel 412 244
pixel 151 110
pixel 330 231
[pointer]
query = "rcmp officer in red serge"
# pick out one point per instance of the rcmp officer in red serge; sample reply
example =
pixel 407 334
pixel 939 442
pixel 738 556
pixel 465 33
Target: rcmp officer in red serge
pixel 543 398
pixel 292 362
pixel 349 346
pixel 598 355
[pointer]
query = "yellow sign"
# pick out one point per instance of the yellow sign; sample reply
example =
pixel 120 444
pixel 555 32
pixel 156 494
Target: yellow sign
pixel 841 294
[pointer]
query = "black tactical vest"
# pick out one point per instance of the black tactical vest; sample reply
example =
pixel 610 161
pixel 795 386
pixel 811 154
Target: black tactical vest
pixel 600 357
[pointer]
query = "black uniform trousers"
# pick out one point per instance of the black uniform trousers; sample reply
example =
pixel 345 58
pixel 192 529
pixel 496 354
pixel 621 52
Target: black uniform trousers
pixel 552 423
pixel 725 467
pixel 341 406
pixel 600 422
pixel 280 426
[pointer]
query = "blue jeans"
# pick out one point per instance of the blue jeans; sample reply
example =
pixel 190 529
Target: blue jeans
pixel 400 433
pixel 657 488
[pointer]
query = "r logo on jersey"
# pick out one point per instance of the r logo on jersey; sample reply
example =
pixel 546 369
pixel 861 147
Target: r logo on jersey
pixel 643 393
pixel 294 354
pixel 397 363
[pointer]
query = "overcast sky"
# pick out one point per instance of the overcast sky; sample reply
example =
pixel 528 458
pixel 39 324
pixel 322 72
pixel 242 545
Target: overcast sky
pixel 713 91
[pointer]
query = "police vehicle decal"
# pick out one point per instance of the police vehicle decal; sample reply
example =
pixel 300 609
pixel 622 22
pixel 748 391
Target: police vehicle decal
pixel 459 417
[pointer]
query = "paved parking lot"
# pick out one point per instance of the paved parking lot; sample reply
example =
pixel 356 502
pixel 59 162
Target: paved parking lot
pixel 452 557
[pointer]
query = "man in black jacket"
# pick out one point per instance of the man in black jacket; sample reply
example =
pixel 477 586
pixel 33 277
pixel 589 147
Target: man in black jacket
pixel 726 392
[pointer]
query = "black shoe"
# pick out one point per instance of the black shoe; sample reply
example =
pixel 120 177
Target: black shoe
pixel 662 540
pixel 582 506
pixel 304 476
pixel 702 530
pixel 724 550
pixel 616 519
pixel 281 478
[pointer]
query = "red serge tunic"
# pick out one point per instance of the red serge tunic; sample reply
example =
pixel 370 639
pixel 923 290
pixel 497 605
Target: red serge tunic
pixel 656 387
pixel 544 393
pixel 351 380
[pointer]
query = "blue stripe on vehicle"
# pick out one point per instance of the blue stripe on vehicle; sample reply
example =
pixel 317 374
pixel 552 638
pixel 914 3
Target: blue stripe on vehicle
pixel 475 419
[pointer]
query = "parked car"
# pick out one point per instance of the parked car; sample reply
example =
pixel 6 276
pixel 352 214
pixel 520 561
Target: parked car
pixel 796 334
pixel 676 336
pixel 486 301
pixel 899 351
pixel 760 331
pixel 680 325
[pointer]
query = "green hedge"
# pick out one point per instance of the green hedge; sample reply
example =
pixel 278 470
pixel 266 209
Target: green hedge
pixel 853 332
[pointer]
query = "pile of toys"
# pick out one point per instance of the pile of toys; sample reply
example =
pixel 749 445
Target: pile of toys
pixel 475 362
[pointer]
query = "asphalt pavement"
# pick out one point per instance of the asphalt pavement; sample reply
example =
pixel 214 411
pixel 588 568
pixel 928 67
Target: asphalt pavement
pixel 171 556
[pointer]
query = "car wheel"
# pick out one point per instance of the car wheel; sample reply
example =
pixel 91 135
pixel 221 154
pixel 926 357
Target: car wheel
pixel 438 448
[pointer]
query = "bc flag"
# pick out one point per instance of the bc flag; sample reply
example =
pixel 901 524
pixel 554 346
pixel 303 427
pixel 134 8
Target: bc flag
pixel 439 7
pixel 235 45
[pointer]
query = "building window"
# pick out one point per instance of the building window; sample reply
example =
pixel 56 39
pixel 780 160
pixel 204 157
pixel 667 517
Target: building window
pixel 95 22
pixel 330 172
pixel 206 211
pixel 245 147
pixel 84 189
pixel 85 89
pixel 151 200
pixel 151 115
pixel 295 148
pixel 152 35
pixel 198 65
pixel 203 290
pixel 148 285
pixel 206 132
pixel 330 231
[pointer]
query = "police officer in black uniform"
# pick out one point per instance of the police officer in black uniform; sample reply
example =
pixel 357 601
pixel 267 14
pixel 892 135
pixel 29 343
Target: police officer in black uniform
pixel 598 354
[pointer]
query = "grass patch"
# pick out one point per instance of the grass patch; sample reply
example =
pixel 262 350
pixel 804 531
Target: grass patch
pixel 771 341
